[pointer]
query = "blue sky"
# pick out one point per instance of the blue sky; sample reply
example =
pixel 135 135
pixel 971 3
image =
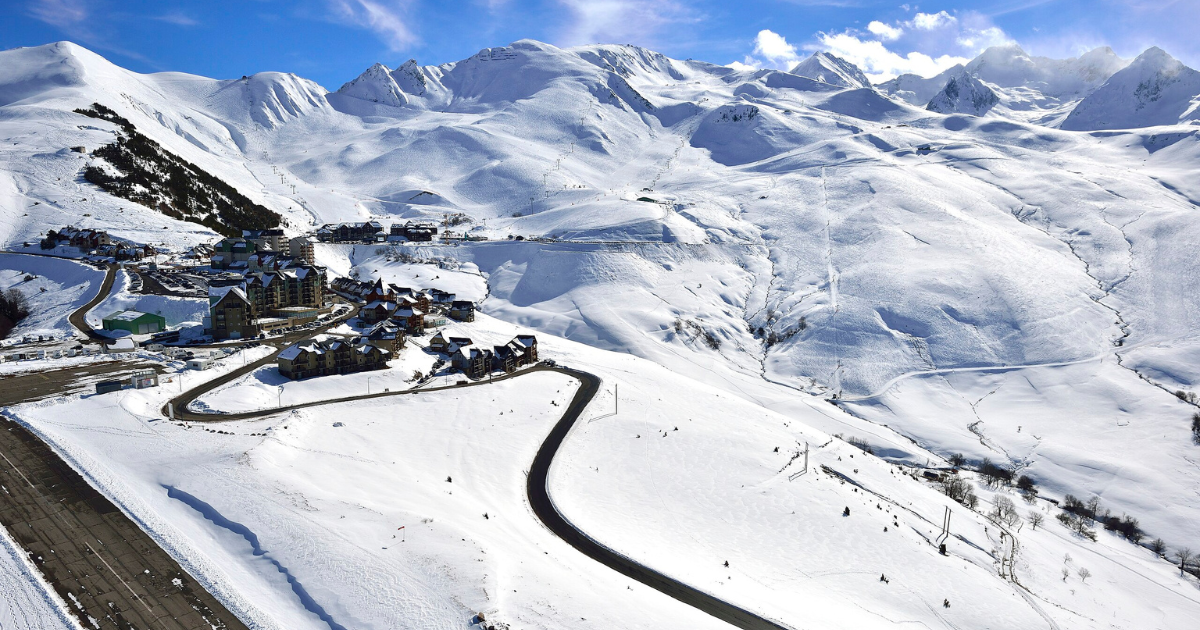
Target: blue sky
pixel 332 41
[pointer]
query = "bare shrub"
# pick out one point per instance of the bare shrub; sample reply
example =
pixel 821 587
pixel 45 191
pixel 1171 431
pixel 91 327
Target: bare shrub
pixel 1004 510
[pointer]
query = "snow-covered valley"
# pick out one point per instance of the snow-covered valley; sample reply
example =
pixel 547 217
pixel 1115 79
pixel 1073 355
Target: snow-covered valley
pixel 759 258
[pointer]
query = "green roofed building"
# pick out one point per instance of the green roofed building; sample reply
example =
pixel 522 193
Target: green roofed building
pixel 135 322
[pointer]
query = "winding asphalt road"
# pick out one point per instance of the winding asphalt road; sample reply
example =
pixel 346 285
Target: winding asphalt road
pixel 537 484
pixel 537 487
pixel 543 507
pixel 78 319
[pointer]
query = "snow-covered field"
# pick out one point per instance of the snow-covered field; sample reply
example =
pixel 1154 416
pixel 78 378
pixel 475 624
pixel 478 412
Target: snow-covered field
pixel 321 493
pixel 55 288
pixel 1018 285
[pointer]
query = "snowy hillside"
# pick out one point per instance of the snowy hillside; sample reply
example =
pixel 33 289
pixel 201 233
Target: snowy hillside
pixel 955 283
pixel 1156 89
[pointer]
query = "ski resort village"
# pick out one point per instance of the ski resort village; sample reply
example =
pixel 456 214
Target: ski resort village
pixel 588 336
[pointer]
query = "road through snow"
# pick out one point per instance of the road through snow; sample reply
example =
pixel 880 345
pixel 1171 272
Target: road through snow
pixel 537 490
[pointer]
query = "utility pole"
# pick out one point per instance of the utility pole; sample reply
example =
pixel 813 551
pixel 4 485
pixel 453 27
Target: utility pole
pixel 616 400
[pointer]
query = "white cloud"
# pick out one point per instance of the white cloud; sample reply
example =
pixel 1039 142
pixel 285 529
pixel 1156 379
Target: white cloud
pixel 932 21
pixel 879 63
pixel 775 48
pixel 620 21
pixel 980 39
pixel 384 18
pixel 177 18
pixel 885 32
pixel 60 13
pixel 771 50
pixel 925 45
pixel 751 64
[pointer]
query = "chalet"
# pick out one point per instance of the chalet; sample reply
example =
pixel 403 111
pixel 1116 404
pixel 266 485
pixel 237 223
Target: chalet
pixel 380 292
pixel 374 231
pixel 419 299
pixel 505 358
pixel 377 311
pixel 441 298
pixel 200 252
pixel 350 288
pixel 120 250
pixel 446 342
pixel 519 352
pixel 529 351
pixel 471 361
pixel 419 231
pixel 386 336
pixel 462 310
pixel 411 319
pixel 85 239
pixel 320 357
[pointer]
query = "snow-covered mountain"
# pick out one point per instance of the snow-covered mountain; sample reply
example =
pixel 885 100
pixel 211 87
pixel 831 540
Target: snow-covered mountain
pixel 956 284
pixel 964 93
pixel 827 68
pixel 916 89
pixel 1027 88
pixel 377 85
pixel 1156 89
pixel 1008 66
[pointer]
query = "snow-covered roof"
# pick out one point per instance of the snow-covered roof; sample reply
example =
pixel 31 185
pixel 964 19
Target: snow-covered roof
pixel 291 352
pixel 126 316
pixel 310 345
pixel 220 292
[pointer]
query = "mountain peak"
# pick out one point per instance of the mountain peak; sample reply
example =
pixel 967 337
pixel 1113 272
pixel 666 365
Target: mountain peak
pixel 1157 57
pixel 831 69
pixel 1154 89
pixel 964 94
pixel 376 85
